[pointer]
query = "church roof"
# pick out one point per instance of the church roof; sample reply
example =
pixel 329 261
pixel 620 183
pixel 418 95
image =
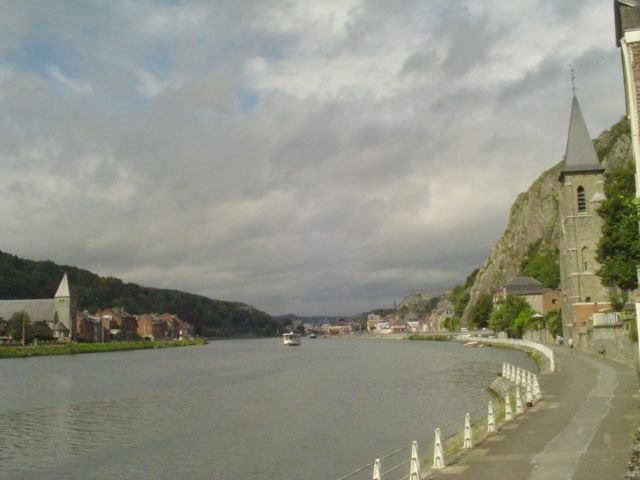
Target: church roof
pixel 524 286
pixel 63 288
pixel 59 327
pixel 581 155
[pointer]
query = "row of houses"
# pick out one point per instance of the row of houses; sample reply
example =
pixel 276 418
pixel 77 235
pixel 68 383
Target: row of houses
pixel 118 324
pixel 542 301
pixel 61 315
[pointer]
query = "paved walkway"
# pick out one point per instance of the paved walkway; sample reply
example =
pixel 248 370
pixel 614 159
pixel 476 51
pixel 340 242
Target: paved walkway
pixel 581 430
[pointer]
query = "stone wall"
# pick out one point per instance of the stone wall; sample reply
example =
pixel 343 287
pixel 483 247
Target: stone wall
pixel 613 343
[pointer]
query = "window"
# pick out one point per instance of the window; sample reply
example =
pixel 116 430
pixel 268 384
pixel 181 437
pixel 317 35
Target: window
pixel 582 202
pixel 585 259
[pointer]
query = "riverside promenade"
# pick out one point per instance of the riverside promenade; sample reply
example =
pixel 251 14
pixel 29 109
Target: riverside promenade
pixel 582 429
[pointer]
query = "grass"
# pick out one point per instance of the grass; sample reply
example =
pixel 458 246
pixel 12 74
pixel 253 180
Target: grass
pixel 432 338
pixel 78 348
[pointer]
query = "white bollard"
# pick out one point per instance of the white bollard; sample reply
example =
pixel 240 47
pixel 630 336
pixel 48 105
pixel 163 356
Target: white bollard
pixel 518 376
pixel 468 435
pixel 512 373
pixel 537 393
pixel 508 413
pixel 376 470
pixel 438 455
pixel 504 369
pixel 491 419
pixel 529 395
pixel 519 406
pixel 414 472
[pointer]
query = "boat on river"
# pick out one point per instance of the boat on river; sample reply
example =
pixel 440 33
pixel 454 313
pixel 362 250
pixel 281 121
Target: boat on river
pixel 291 339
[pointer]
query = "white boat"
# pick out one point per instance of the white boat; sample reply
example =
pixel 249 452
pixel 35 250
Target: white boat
pixel 291 339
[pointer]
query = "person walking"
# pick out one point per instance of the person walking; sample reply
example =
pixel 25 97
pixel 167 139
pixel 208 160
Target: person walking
pixel 571 345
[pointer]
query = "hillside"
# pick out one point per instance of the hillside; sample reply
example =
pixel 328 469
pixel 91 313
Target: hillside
pixel 21 279
pixel 533 218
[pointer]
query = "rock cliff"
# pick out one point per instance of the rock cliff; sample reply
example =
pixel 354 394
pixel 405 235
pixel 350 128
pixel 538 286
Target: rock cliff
pixel 534 217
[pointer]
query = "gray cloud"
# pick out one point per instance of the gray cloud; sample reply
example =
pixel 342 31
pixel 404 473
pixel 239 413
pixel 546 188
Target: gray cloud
pixel 309 157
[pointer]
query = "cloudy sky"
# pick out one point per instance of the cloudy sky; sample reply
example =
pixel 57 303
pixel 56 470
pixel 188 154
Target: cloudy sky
pixel 315 157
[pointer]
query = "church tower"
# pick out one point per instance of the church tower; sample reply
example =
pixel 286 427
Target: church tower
pixel 581 191
pixel 65 307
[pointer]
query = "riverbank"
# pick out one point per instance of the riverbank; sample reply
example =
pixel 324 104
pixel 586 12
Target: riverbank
pixel 583 428
pixel 81 348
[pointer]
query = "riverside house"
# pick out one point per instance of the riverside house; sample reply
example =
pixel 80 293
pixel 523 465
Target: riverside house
pixel 117 324
pixel 542 300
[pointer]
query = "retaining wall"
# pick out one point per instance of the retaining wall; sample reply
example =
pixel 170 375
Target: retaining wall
pixel 613 343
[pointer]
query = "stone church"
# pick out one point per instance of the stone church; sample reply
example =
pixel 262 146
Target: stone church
pixel 59 312
pixel 581 191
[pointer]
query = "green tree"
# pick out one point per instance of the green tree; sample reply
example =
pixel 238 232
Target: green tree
pixel 460 295
pixel 619 248
pixel 19 327
pixel 507 317
pixel 41 331
pixel 553 322
pixel 481 311
pixel 522 322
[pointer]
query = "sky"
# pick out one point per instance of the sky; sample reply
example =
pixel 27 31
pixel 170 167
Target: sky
pixel 321 157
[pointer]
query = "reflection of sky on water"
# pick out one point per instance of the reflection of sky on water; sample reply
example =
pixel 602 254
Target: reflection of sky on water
pixel 209 412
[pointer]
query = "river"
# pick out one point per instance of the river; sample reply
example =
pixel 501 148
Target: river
pixel 249 409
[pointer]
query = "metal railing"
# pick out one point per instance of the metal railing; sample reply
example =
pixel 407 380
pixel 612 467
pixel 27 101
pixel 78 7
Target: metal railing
pixel 454 437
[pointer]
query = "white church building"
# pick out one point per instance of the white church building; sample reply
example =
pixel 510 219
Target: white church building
pixel 59 312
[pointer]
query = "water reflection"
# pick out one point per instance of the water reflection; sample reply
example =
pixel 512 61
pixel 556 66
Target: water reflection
pixel 240 406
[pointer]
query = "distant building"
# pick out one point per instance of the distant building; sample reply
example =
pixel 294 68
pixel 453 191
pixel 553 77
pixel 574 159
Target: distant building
pixel 372 322
pixel 58 312
pixel 151 327
pixel 542 300
pixel 91 328
pixel 441 316
pixel 340 327
pixel 122 325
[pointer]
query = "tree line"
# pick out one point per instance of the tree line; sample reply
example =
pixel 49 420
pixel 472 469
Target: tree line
pixel 27 279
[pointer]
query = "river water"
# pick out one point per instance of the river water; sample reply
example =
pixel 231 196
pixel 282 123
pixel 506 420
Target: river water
pixel 250 409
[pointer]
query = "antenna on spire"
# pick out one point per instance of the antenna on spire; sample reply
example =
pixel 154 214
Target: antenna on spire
pixel 573 82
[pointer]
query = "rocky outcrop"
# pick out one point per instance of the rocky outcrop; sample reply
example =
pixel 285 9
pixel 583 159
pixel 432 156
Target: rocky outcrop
pixel 534 217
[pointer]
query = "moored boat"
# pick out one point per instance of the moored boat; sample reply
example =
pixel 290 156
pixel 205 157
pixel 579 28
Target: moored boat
pixel 291 339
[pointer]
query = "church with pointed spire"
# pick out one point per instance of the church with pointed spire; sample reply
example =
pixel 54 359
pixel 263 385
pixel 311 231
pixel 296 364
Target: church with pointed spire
pixel 581 191
pixel 59 312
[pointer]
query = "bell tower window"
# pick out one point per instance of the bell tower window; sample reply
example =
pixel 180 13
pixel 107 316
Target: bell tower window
pixel 582 200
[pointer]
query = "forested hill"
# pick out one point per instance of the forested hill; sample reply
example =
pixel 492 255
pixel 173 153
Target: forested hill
pixel 22 279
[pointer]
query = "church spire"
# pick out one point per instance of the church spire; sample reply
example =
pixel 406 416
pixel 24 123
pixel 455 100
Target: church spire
pixel 63 288
pixel 581 155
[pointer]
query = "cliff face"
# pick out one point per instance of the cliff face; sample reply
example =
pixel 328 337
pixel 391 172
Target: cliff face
pixel 534 217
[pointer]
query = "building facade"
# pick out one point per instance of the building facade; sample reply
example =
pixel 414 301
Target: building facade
pixel 542 300
pixel 627 23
